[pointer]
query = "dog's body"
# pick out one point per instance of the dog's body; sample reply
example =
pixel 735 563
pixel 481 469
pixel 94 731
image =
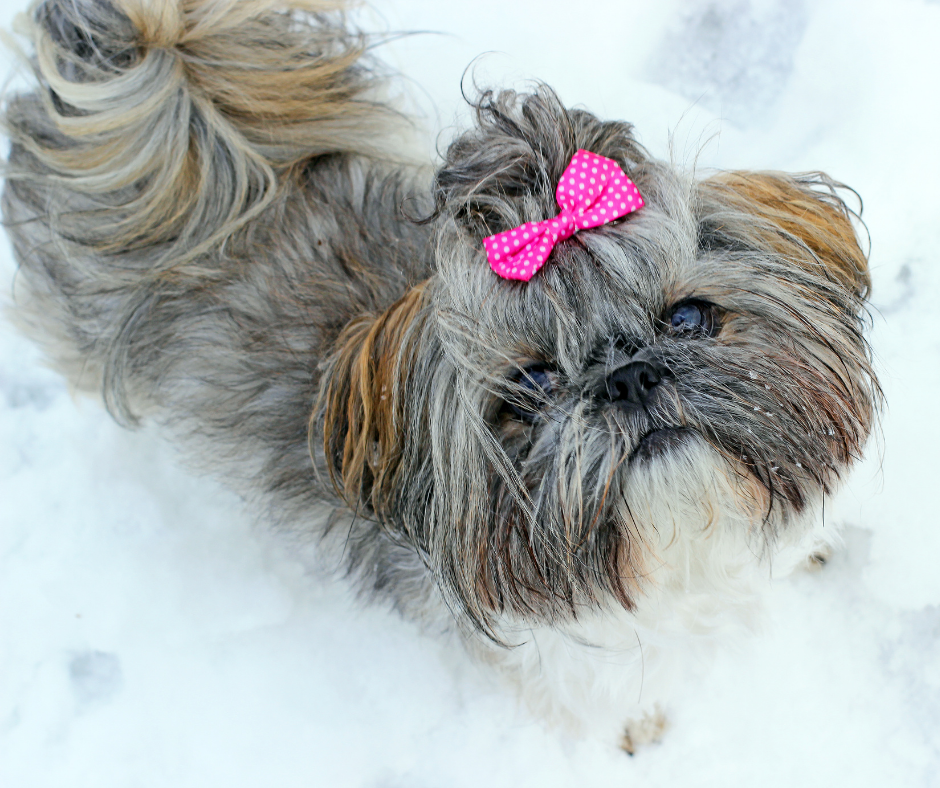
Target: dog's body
pixel 213 233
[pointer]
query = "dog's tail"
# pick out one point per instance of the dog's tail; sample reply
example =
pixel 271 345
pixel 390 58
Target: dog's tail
pixel 164 136
pixel 172 121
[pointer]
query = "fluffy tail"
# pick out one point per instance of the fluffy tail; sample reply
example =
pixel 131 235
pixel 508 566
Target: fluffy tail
pixel 197 206
pixel 172 122
pixel 160 134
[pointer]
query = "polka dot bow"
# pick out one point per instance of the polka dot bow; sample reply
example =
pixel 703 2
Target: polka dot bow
pixel 593 191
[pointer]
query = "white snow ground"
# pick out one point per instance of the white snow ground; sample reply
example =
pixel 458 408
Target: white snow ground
pixel 151 635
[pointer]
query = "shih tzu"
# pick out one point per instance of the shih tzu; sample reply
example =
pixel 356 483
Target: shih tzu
pixel 571 400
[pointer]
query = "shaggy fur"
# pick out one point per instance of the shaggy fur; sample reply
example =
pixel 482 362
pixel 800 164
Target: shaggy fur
pixel 211 227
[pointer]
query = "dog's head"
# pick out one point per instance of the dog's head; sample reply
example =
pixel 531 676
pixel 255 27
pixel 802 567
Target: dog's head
pixel 697 362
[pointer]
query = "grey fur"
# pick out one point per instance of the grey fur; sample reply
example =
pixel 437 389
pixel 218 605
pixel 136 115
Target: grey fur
pixel 236 323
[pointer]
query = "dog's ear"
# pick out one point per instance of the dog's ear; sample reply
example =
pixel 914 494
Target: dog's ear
pixel 793 215
pixel 361 408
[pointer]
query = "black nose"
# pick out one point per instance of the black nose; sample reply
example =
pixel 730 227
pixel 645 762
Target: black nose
pixel 632 383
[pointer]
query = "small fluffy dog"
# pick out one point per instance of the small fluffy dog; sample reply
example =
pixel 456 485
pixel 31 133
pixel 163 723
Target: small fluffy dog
pixel 588 474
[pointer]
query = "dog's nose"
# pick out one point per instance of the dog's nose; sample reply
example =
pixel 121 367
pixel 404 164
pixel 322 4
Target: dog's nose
pixel 632 383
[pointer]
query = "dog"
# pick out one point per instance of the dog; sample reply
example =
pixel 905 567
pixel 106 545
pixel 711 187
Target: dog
pixel 589 471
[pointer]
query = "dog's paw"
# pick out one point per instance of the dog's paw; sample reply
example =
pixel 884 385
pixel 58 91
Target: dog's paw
pixel 818 559
pixel 644 730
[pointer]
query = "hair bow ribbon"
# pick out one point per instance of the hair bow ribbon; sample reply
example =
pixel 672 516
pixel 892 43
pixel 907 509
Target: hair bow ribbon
pixel 593 190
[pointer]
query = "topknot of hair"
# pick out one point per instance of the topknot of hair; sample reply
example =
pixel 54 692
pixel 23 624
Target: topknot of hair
pixel 504 172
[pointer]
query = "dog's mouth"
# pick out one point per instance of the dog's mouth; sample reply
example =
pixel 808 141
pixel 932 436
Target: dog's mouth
pixel 657 442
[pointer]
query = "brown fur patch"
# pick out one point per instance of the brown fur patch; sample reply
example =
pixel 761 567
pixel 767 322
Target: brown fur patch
pixel 792 217
pixel 361 402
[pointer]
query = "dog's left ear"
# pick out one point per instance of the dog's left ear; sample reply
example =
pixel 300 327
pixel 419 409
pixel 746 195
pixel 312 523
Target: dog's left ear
pixel 799 216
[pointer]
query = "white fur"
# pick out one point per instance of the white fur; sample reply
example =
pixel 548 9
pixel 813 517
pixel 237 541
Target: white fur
pixel 705 587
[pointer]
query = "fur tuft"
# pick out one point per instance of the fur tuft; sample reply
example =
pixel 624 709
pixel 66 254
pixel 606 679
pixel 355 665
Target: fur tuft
pixel 503 173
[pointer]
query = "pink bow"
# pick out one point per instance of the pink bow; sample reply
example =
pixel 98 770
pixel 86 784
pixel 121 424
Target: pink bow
pixel 593 190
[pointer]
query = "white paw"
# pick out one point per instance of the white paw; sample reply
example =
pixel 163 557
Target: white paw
pixel 818 558
pixel 644 730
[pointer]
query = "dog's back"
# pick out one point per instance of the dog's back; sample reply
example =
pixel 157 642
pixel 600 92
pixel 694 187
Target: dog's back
pixel 197 209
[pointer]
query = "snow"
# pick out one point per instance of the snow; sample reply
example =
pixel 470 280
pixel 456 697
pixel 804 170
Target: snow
pixel 152 635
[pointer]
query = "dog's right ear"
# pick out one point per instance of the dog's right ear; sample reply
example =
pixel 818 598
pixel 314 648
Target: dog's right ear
pixel 362 408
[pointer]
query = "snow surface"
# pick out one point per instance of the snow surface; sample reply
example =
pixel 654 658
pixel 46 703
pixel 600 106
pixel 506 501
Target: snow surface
pixel 151 635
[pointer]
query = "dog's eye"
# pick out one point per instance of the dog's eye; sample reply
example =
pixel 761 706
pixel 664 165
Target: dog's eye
pixel 693 319
pixel 530 392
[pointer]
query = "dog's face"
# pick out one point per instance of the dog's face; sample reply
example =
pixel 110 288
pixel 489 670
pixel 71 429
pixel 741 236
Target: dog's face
pixel 699 361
